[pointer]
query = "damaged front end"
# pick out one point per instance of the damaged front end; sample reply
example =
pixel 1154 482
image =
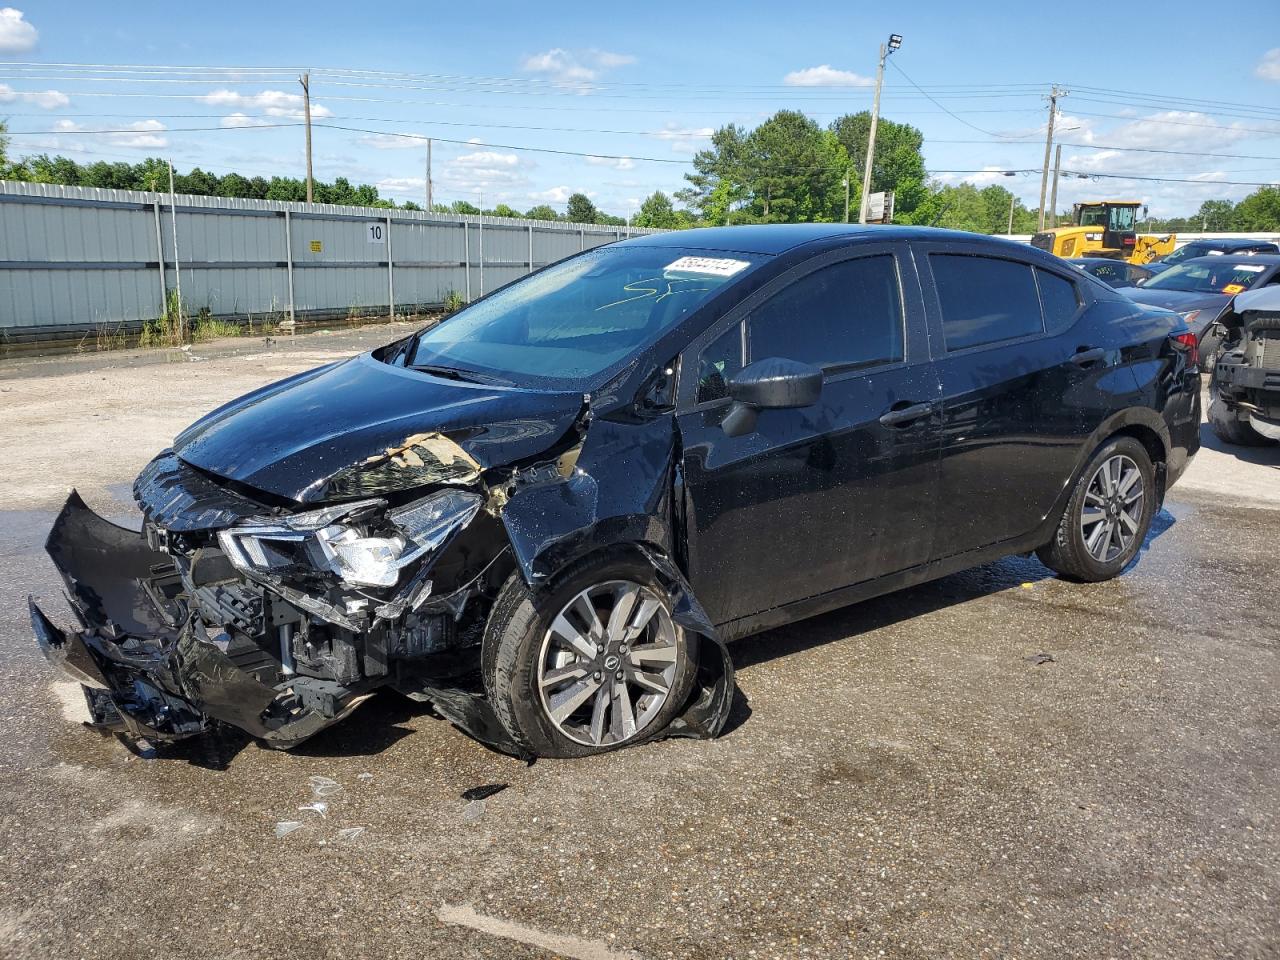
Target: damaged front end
pixel 237 606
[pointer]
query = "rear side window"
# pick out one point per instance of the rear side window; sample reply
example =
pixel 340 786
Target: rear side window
pixel 1058 298
pixel 985 300
pixel 849 313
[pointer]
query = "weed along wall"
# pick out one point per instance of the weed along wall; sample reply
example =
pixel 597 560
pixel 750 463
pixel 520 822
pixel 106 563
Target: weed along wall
pixel 81 260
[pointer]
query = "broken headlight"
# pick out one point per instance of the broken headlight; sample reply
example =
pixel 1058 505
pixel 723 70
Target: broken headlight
pixel 362 543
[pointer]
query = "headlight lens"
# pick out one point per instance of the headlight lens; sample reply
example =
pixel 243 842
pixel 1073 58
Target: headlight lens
pixel 362 543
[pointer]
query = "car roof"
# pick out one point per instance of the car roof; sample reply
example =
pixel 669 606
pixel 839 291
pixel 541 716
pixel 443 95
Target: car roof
pixel 1228 243
pixel 1254 258
pixel 775 238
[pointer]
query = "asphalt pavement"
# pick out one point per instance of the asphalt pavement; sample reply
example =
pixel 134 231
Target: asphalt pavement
pixel 997 764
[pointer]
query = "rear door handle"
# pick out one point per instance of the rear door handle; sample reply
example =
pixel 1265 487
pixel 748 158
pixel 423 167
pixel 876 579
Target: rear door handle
pixel 901 416
pixel 1082 358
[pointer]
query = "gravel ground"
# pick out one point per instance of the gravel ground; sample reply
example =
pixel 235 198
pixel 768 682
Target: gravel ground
pixel 904 778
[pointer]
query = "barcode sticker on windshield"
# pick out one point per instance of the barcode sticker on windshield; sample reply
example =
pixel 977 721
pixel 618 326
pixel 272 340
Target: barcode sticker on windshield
pixel 1249 267
pixel 706 266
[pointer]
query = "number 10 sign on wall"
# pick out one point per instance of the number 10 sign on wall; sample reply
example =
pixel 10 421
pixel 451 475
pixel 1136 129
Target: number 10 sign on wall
pixel 377 233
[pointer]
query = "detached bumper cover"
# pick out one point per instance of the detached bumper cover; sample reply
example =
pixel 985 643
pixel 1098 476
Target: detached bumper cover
pixel 149 669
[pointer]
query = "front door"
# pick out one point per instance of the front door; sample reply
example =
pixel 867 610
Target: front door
pixel 826 496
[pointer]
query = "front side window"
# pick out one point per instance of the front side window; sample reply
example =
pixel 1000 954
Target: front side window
pixel 848 313
pixel 721 359
pixel 985 300
pixel 576 319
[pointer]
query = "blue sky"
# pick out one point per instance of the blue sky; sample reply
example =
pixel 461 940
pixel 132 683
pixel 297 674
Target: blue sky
pixel 644 83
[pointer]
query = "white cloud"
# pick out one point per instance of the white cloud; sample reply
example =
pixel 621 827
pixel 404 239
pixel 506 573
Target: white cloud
pixel 575 70
pixel 389 141
pixel 985 178
pixel 241 120
pixel 142 135
pixel 825 76
pixel 686 140
pixel 617 163
pixel 487 159
pixel 16 34
pixel 45 99
pixel 553 195
pixel 1268 67
pixel 274 103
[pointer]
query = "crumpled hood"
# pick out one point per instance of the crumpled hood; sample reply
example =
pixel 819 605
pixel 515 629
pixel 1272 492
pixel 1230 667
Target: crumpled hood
pixel 290 436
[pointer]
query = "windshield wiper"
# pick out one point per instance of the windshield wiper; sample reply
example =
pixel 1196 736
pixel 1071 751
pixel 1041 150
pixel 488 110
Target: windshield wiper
pixel 457 373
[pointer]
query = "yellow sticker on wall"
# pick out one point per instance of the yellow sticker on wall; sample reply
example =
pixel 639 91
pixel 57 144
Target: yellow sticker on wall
pixel 317 246
pixel 1234 288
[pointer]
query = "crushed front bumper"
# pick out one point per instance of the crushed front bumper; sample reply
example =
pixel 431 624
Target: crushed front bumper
pixel 150 667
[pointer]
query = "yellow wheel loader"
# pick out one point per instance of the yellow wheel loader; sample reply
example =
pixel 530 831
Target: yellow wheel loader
pixel 1105 228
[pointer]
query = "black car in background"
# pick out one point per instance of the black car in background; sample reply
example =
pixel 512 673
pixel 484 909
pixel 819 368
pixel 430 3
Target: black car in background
pixel 1236 247
pixel 546 514
pixel 1114 273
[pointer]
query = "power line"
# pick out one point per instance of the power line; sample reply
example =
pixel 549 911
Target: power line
pixel 940 106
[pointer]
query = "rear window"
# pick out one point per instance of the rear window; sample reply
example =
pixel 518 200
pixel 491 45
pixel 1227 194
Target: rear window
pixel 985 300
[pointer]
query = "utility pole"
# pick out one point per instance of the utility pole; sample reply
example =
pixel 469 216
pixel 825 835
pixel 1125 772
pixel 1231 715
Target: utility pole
pixel 428 175
pixel 1013 198
pixel 848 175
pixel 1048 147
pixel 177 264
pixel 1053 194
pixel 895 41
pixel 305 80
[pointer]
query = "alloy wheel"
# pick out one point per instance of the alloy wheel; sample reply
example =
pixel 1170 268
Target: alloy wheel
pixel 1111 515
pixel 608 662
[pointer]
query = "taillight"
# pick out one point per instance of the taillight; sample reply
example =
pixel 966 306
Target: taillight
pixel 1192 345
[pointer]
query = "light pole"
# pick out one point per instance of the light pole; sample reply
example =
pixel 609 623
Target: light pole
pixel 895 41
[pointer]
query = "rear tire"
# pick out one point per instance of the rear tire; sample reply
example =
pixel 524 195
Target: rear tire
pixel 1229 428
pixel 610 687
pixel 1108 515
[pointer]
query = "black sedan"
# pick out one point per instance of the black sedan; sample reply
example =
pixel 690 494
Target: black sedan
pixel 546 515
pixel 1114 273
pixel 1232 246
pixel 1200 289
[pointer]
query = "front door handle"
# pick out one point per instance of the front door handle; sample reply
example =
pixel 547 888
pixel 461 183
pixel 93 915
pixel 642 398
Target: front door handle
pixel 901 416
pixel 1088 355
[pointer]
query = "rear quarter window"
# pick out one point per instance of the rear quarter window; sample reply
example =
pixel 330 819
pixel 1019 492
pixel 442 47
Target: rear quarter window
pixel 985 299
pixel 1059 298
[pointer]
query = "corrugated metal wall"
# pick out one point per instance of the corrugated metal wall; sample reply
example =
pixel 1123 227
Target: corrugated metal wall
pixel 77 258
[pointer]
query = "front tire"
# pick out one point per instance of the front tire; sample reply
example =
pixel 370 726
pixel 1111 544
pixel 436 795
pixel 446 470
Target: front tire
pixel 1107 516
pixel 593 663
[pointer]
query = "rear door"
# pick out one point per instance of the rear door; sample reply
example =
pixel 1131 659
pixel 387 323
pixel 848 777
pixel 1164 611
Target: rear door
pixel 826 496
pixel 1011 404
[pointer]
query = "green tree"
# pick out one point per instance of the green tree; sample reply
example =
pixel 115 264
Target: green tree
pixel 899 160
pixel 656 211
pixel 286 188
pixel 462 206
pixel 1216 215
pixel 542 212
pixel 581 209
pixel 234 185
pixel 505 210
pixel 718 180
pixel 1260 210
pixel 794 170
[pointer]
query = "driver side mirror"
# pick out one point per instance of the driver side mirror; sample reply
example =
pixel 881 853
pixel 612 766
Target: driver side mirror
pixel 773 383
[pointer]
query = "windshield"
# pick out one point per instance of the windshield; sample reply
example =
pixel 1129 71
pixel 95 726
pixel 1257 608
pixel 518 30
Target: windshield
pixel 1208 276
pixel 579 317
pixel 1189 252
